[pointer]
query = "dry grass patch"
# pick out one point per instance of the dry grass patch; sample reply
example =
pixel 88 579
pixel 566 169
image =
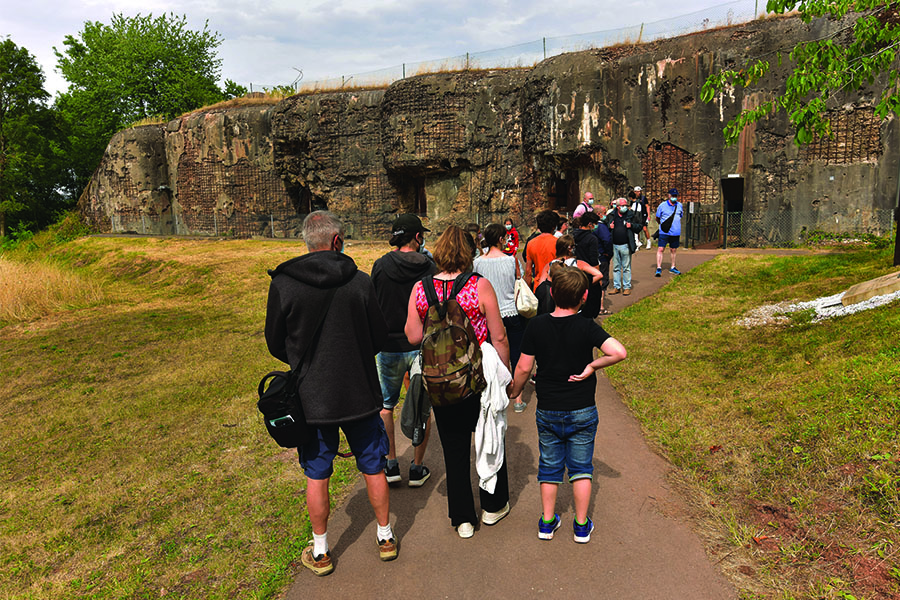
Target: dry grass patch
pixel 36 289
pixel 133 462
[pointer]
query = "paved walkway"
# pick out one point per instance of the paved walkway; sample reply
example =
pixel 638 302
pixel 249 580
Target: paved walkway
pixel 643 547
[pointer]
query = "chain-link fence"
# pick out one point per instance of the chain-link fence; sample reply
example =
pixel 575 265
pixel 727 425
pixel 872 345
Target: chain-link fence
pixel 529 54
pixel 782 229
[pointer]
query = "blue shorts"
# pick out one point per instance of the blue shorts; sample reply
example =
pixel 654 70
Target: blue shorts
pixel 567 442
pixel 392 368
pixel 367 440
pixel 672 240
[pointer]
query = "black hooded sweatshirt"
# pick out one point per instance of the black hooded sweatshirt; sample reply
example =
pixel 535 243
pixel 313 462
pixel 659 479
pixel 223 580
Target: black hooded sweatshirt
pixel 340 381
pixel 394 276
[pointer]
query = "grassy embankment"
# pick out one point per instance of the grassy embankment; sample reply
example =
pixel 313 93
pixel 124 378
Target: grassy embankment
pixel 788 436
pixel 133 462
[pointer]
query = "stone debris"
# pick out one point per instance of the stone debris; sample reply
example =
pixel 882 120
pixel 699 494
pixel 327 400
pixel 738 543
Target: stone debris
pixel 823 308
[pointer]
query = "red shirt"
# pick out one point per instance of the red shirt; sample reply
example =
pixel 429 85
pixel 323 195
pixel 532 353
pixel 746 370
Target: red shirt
pixel 512 242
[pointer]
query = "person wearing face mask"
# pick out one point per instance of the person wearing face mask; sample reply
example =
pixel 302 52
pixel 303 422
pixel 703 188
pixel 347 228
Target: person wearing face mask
pixel 605 248
pixel 340 391
pixel 668 215
pixel 511 241
pixel 394 276
pixel 586 205
pixel 622 224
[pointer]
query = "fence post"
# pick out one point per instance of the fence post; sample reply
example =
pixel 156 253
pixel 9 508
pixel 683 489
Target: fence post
pixel 467 61
pixel 143 224
pixel 404 70
pixel 545 48
pixel 216 222
pixel 725 232
pixel 272 224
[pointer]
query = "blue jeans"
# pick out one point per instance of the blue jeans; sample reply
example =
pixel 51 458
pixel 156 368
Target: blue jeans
pixel 567 442
pixel 621 266
pixel 392 368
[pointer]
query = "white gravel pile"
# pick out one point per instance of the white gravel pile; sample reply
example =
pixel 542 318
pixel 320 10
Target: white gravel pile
pixel 825 308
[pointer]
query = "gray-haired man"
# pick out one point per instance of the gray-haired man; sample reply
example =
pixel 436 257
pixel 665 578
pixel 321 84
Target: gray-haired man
pixel 340 387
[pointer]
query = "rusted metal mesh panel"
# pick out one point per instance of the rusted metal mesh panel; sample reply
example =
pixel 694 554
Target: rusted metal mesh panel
pixel 210 192
pixel 856 138
pixel 429 119
pixel 666 166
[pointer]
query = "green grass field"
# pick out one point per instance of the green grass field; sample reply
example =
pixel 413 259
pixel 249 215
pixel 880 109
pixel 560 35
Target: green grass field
pixel 133 463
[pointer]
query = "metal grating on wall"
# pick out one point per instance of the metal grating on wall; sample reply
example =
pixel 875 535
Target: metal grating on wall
pixel 856 138
pixel 665 166
pixel 430 118
pixel 210 188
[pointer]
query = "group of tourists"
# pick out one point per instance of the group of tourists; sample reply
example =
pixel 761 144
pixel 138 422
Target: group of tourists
pixel 369 340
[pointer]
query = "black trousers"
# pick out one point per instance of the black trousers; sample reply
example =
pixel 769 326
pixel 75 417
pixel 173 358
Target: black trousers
pixel 455 424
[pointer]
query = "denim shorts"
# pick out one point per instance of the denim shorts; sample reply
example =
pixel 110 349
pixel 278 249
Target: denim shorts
pixel 567 442
pixel 392 368
pixel 672 240
pixel 368 441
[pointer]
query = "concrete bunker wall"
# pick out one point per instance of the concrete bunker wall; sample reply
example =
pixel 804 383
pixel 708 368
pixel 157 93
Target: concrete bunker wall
pixel 480 146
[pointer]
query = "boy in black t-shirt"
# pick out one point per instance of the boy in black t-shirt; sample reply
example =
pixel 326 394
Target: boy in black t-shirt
pixel 563 345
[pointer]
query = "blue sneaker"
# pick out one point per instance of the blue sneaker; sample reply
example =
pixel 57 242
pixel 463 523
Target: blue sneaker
pixel 583 532
pixel 675 271
pixel 546 530
pixel 658 273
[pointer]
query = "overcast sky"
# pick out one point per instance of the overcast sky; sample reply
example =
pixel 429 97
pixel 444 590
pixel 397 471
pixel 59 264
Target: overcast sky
pixel 265 41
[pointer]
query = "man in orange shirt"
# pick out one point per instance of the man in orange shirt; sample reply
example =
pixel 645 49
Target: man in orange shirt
pixel 542 249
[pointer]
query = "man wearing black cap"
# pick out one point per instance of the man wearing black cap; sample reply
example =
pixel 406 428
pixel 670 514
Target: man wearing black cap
pixel 668 215
pixel 394 276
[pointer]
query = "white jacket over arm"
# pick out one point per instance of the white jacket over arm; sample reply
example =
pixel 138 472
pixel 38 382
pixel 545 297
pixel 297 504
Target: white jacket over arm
pixel 490 432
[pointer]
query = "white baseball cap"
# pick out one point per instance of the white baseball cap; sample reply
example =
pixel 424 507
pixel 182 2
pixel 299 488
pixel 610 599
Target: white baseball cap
pixel 637 188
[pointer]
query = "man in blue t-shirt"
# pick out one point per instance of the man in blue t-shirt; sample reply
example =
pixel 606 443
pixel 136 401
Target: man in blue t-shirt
pixel 668 215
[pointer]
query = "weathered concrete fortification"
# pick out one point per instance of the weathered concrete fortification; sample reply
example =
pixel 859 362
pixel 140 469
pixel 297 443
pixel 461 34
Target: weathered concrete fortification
pixel 477 146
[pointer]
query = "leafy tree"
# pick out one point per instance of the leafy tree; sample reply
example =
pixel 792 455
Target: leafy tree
pixel 22 113
pixel 134 68
pixel 233 90
pixel 823 68
pixel 858 55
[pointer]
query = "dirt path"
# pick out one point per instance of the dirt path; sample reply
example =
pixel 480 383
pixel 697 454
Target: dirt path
pixel 642 548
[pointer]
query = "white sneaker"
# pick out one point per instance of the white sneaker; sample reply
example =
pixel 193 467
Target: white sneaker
pixel 489 518
pixel 466 530
pixel 648 244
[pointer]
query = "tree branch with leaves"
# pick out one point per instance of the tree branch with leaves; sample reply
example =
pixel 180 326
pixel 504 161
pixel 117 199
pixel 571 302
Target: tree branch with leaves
pixel 862 54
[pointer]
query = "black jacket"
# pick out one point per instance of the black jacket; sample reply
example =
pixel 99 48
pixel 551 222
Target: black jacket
pixel 340 381
pixel 587 247
pixel 394 276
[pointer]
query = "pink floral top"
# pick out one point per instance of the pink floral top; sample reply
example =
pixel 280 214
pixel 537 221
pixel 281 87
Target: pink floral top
pixel 467 297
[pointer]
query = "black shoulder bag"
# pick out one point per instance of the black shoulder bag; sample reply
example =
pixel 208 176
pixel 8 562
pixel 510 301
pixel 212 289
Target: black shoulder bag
pixel 280 403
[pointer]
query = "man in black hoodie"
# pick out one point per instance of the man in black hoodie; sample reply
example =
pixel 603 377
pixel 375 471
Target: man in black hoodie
pixel 394 276
pixel 339 387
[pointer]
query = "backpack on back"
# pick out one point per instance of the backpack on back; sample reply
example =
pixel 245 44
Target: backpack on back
pixel 451 355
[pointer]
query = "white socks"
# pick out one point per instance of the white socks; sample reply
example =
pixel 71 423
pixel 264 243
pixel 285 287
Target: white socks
pixel 385 532
pixel 320 544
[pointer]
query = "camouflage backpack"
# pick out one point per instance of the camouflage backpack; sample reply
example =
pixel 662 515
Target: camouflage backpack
pixel 451 355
